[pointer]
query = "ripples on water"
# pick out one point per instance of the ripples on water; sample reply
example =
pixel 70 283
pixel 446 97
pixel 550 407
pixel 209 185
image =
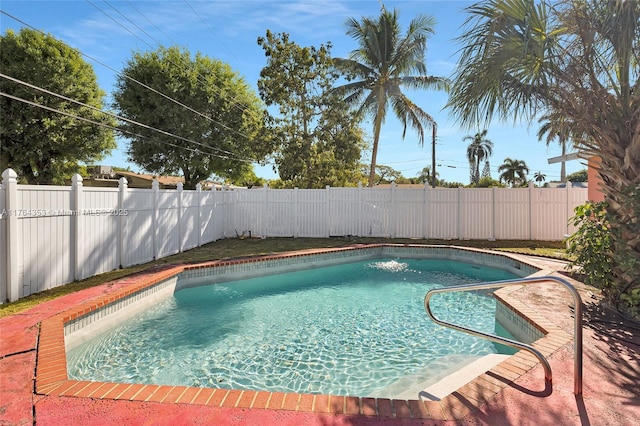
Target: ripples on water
pixel 345 330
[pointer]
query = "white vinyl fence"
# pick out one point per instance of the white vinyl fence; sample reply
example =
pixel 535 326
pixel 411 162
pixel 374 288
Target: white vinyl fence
pixel 442 213
pixel 51 235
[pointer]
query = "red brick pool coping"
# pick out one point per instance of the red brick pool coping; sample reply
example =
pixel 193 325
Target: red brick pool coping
pixel 51 377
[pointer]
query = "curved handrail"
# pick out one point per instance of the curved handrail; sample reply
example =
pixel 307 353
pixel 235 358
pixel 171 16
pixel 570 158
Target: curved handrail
pixel 577 389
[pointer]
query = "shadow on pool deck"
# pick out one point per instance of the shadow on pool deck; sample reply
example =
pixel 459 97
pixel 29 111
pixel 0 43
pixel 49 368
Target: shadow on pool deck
pixel 611 393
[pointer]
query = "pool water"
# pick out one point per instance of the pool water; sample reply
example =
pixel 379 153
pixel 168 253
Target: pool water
pixel 345 330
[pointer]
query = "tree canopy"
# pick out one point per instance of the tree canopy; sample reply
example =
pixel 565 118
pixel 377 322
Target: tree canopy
pixel 318 137
pixel 45 146
pixel 579 176
pixel 201 117
pixel 572 59
pixel 381 66
pixel 387 174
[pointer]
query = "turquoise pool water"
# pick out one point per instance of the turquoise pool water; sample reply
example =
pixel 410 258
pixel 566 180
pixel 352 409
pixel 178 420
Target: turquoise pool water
pixel 347 330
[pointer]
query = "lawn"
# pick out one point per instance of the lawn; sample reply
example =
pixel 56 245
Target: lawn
pixel 236 247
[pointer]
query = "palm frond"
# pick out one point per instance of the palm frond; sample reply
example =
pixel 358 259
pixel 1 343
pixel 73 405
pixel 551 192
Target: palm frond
pixel 506 65
pixel 371 105
pixel 353 69
pixel 411 115
pixel 410 51
pixel 426 82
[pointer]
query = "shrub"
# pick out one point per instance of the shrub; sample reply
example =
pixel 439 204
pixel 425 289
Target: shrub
pixel 591 246
pixel 602 256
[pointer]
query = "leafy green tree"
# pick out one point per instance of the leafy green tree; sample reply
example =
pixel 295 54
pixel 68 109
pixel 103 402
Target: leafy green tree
pixel 407 181
pixel 488 182
pixel 219 131
pixel 44 146
pixel 572 59
pixel 386 174
pixel 121 169
pixel 446 184
pixel 319 140
pixel 480 149
pixel 514 172
pixel 579 176
pixel 249 179
pixel 381 66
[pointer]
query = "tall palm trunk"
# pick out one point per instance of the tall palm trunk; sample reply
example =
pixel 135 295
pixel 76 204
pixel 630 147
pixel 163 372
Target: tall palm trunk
pixel 377 126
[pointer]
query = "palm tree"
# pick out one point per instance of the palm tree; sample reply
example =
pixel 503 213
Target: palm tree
pixel 514 172
pixel 539 177
pixel 381 65
pixel 478 150
pixel 575 59
pixel 426 175
pixel 486 170
pixel 557 126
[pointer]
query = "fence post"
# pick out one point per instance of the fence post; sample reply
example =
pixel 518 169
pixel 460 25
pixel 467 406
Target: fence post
pixel 233 212
pixel 155 187
pixel 327 215
pixel 122 186
pixel 493 214
pixel 459 213
pixel 393 217
pixel 362 221
pixel 264 216
pixel 568 209
pixel 10 182
pixel 179 195
pixel 296 213
pixel 425 215
pixel 218 211
pixel 198 199
pixel 76 221
pixel 531 186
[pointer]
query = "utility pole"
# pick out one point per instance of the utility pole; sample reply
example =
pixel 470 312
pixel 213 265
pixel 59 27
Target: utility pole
pixel 433 155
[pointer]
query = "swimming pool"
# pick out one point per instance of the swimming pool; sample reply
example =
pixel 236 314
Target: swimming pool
pixel 349 329
pixel 112 303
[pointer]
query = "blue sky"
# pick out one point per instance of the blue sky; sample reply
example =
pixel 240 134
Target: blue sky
pixel 111 30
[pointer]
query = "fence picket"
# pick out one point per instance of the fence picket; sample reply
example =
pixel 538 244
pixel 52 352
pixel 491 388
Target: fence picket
pixel 67 233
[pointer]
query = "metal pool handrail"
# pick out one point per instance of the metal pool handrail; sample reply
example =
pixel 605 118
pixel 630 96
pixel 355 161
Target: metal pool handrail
pixel 577 344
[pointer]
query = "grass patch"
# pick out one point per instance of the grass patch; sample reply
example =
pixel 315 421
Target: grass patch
pixel 234 247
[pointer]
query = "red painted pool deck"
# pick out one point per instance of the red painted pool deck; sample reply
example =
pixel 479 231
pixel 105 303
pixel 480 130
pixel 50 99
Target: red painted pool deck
pixel 34 388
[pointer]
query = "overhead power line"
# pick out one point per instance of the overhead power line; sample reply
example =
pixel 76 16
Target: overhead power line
pixel 97 123
pixel 209 28
pixel 200 78
pixel 133 79
pixel 116 72
pixel 132 23
pixel 24 83
pixel 148 20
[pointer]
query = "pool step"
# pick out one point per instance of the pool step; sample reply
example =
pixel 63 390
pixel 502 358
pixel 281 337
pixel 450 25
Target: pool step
pixel 456 380
pixel 440 378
